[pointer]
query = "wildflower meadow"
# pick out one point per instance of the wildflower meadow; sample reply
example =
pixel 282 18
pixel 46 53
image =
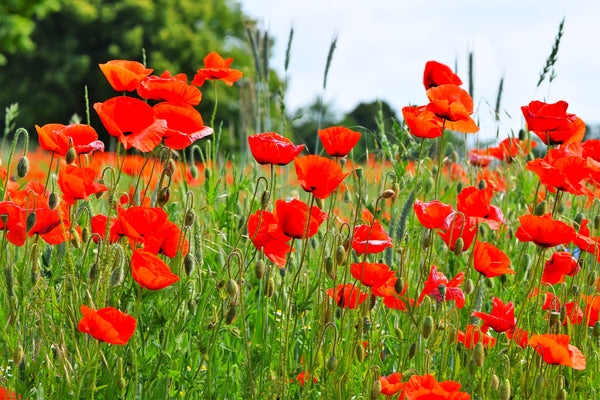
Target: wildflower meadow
pixel 403 263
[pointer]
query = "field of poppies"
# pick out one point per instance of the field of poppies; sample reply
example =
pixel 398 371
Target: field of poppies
pixel 421 269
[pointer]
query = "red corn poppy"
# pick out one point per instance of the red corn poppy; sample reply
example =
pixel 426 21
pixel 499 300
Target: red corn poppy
pixel 519 336
pixel 124 75
pixel 59 138
pixel 150 271
pixel 48 224
pixel 272 148
pixel 552 122
pixel 6 394
pixel 561 263
pixel 490 261
pixel 169 88
pixel 302 377
pixel 132 122
pixel 437 282
pixel 555 349
pixel 15 222
pixel 422 123
pixel 268 237
pixel 370 239
pixel 510 148
pixel 291 217
pixel 136 223
pixel 480 157
pixel 473 335
pixel 391 384
pixel 217 68
pixel 426 387
pixel 476 205
pixel 592 309
pixel 388 288
pixel 437 74
pixel 347 296
pixel 78 183
pixel 166 240
pixel 371 274
pixel 501 319
pixel 492 179
pixel 318 175
pixel 458 228
pixel 433 214
pixel 184 124
pixel 544 231
pixel 591 148
pixel 338 141
pixel 453 105
pixel 107 324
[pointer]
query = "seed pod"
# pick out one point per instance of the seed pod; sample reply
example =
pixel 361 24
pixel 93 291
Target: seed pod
pixel 427 327
pixel 495 381
pixel 458 246
pixel 376 389
pixel 478 354
pixel 504 390
pixel 360 352
pixel 53 200
pixel 189 264
pixel 30 222
pixel 412 352
pixel 469 286
pixel 540 382
pixel 163 196
pixel 189 218
pixel 340 255
pixel 270 287
pixel 388 194
pixel 320 203
pixel 231 314
pixel 399 285
pixel 264 199
pixel 22 167
pixel 540 208
pixel 332 364
pixel 232 288
pixel 442 289
pixel 359 172
pixel 260 269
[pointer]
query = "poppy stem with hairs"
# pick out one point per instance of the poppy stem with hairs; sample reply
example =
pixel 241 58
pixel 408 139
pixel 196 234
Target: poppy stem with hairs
pixel 419 166
pixel 48 174
pixel 214 113
pixel 440 159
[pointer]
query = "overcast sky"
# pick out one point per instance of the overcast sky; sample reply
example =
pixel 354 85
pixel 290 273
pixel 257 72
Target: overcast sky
pixel 383 46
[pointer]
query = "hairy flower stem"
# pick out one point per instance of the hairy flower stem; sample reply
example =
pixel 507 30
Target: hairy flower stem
pixel 440 162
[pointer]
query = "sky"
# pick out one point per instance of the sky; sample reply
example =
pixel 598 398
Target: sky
pixel 383 46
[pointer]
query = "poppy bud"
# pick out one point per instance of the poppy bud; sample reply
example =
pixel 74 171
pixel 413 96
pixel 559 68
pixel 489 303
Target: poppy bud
pixel 194 171
pixel 264 200
pixel 329 267
pixel 376 389
pixel 540 208
pixel 327 317
pixel 232 288
pixel 459 187
pixel 320 203
pixel 396 189
pixel 478 354
pixel 340 254
pixel 30 222
pixel 270 287
pixel 442 290
pixel 596 330
pixel 10 281
pixel 540 382
pixel 19 355
pixel 495 381
pixel 575 290
pixel 399 285
pixel 116 277
pixel 388 194
pixel 596 221
pixel 504 390
pixel 231 314
pixel 346 244
pixel 458 246
pixel 468 287
pixel 563 313
pixel 22 167
pixel 591 278
pixel 85 234
pixel 399 333
pixel 71 155
pixel 452 336
pixel 481 185
pixel 554 317
pixel 260 269
pixel 75 240
pixel 359 172
pixel 367 324
pixel 189 264
pixel 189 218
pixel 412 351
pixel 561 394
pixel 578 218
pixel 427 329
pixel 561 208
pixel 427 185
pixel 207 173
pixel 426 239
pixel 332 364
pixel 53 200
pixel 4 218
pixel 192 306
pixel 282 272
pixel 163 196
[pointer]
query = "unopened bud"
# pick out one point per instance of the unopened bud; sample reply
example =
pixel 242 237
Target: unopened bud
pixel 232 288
pixel 30 222
pixel 428 185
pixel 163 196
pixel 116 277
pixel 320 203
pixel 74 237
pixel 332 364
pixel 388 194
pixel 189 264
pixel 575 290
pixel 85 234
pixel 346 243
pixel 329 267
pixel 399 333
pixel 495 381
pixel 194 172
pixel 412 352
pixel 504 390
pixel 578 218
pixel 554 317
pixel 260 269
pixel 458 246
pixel 399 285
pixel 360 352
pixel 376 389
pixel 481 185
pixel 231 314
pixel 396 189
pixel 53 200
pixel 459 187
pixel 540 382
pixel 540 208
pixel 270 287
pixel 19 355
pixel 561 394
pixel 71 155
pixel 22 167
pixel 93 275
pixel 426 239
pixel 478 354
pixel 189 218
pixel 596 330
pixel 427 327
pixel 340 255
pixel 264 200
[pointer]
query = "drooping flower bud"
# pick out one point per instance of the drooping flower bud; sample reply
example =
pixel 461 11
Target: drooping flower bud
pixel 427 329
pixel 22 167
pixel 332 364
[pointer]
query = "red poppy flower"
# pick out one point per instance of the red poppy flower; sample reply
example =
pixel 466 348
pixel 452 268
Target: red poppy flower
pixel 492 179
pixel 480 157
pixel 490 261
pixel 426 387
pixel 78 183
pixel 59 138
pixel 458 228
pixel 473 335
pixel 302 377
pixel 318 175
pixel 422 123
pixel 437 74
pixel 6 394
pixel 371 274
pixel 217 68
pixel 291 217
pixel 370 239
pixel 15 222
pixel 592 309
pixel 169 88
pixel 107 324
pixel 475 204
pixel 134 222
pixel 347 296
pixel 166 240
pixel 510 148
pixel 433 214
pixel 124 75
pixel 391 384
pixel 501 319
pixel 338 141
pixel 544 231
pixel 519 336
pixel 437 281
pixel 551 121
pixel 268 238
pixel 560 264
pixel 132 122
pixel 272 148
pixel 184 124
pixel 555 349
pixel 150 271
pixel 453 105
pixel 591 148
pixel 48 225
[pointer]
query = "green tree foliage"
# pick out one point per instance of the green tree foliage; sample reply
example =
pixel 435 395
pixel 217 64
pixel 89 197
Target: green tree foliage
pixel 47 74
